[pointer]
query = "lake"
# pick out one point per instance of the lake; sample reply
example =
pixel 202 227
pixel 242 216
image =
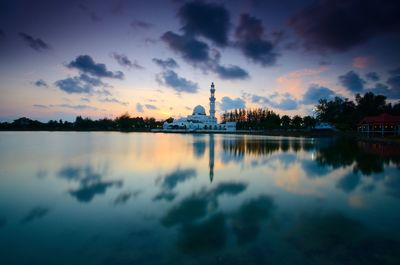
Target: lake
pixel 146 198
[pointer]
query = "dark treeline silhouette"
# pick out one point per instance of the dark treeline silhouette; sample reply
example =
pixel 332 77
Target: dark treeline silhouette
pixel 261 119
pixel 344 114
pixel 121 123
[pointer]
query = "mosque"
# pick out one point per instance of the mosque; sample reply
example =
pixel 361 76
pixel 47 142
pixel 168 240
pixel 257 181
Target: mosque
pixel 199 120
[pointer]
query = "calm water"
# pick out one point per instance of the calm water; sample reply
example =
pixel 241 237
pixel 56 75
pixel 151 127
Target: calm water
pixel 114 198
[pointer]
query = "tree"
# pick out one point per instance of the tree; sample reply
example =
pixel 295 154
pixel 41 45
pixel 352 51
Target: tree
pixel 285 121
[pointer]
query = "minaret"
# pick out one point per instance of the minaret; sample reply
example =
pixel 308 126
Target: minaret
pixel 212 101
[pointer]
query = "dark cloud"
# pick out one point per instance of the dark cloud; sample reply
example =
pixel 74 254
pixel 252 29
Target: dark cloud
pixel 394 83
pixel 349 182
pixel 229 188
pixel 151 107
pixel 124 61
pixel 192 50
pixel 139 24
pixel 231 72
pixel 86 64
pixel 91 183
pixel 35 214
pixel 372 76
pixel 171 180
pixel 86 193
pixel 209 20
pixel 167 63
pixel 199 54
pixel 207 236
pixel 40 106
pixel 90 13
pixel 249 217
pixel 341 25
pixel 315 92
pixel 352 81
pixel 123 197
pixel 2 34
pixel 77 107
pixel 139 108
pixel 171 79
pixel 114 100
pixel 35 43
pixel 187 211
pixel 165 195
pixel 83 84
pixel 227 103
pixel 391 93
pixel 73 85
pixel 40 83
pixel 250 39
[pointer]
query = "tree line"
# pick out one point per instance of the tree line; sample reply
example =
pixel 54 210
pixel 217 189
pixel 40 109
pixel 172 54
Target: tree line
pixel 122 123
pixel 344 114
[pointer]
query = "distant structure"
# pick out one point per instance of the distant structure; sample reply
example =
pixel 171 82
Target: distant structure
pixel 199 120
pixel 383 124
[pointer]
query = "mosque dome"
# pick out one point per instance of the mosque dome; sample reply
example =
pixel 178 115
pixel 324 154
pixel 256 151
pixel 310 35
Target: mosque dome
pixel 199 110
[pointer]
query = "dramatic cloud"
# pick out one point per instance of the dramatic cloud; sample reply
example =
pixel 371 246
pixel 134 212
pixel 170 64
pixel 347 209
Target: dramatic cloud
pixel 124 61
pixel 205 19
pixel 315 93
pixel 40 83
pixel 170 79
pixel 250 39
pixel 83 84
pixel 35 43
pixel 168 63
pixel 340 24
pixel 86 64
pixel 352 81
pixel 139 24
pixel 73 85
pixel 192 50
pixel 139 108
pixel 372 76
pixel 114 100
pixel 231 72
pixel 227 103
pixel 151 107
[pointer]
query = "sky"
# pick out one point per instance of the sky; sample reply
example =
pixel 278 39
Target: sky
pixel 157 58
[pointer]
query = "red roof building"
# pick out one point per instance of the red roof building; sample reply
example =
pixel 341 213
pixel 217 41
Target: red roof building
pixel 384 123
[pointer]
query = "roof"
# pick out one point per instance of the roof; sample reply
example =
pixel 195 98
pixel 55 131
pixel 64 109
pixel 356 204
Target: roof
pixel 384 118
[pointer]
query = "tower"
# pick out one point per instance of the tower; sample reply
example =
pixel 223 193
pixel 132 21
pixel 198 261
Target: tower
pixel 212 101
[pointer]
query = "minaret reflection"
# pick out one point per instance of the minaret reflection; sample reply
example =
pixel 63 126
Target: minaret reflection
pixel 211 156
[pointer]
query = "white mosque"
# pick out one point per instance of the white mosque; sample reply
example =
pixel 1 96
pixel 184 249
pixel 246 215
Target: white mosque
pixel 199 120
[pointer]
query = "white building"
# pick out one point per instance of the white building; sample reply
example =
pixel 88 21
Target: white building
pixel 199 120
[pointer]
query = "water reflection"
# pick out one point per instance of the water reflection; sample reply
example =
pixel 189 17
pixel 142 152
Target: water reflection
pixel 91 183
pixel 35 213
pixel 198 199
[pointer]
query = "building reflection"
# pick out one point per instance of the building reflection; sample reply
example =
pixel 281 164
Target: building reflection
pixel 211 156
